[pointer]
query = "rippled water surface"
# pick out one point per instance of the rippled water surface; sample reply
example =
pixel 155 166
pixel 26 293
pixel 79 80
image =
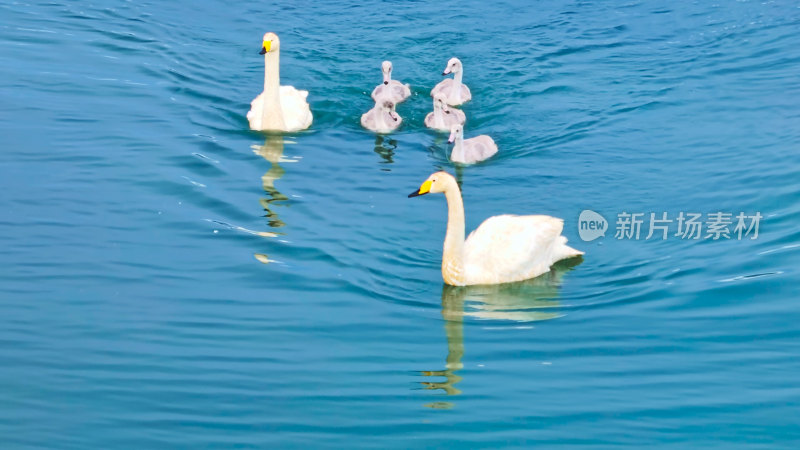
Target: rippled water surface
pixel 172 279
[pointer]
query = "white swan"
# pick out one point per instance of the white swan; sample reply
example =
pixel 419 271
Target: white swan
pixel 390 89
pixel 455 91
pixel 278 108
pixel 502 249
pixel 382 118
pixel 443 118
pixel 472 150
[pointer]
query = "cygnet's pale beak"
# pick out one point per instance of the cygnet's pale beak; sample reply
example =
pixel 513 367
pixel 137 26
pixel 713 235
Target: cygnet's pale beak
pixel 265 47
pixel 424 189
pixel 452 137
pixel 389 106
pixel 446 71
pixel 445 108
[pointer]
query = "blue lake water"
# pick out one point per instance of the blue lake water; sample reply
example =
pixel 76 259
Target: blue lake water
pixel 171 279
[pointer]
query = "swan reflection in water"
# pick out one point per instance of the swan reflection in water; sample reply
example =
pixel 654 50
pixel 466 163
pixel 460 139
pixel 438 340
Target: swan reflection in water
pixel 272 151
pixel 385 147
pixel 525 301
pixel 440 149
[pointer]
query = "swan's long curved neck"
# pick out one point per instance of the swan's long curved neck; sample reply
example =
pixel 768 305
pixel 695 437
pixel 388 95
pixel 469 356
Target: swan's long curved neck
pixel 453 254
pixel 383 120
pixel 438 116
pixel 458 149
pixel 457 77
pixel 272 114
pixel 272 73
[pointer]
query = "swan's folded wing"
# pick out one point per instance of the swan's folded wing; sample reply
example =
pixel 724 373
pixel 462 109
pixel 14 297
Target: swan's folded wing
pixel 296 112
pixel 368 119
pixel 486 148
pixel 442 84
pixel 395 91
pixel 460 117
pixel 377 92
pixel 466 94
pixel 511 248
pixel 254 115
pixel 475 150
pixel 401 91
pixel 429 120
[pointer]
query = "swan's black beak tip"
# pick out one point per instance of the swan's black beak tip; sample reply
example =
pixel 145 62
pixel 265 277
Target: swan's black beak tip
pixel 444 74
pixel 386 82
pixel 263 51
pixel 414 194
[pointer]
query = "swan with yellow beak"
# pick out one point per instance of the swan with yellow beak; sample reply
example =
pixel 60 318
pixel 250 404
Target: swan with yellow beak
pixel 278 108
pixel 502 249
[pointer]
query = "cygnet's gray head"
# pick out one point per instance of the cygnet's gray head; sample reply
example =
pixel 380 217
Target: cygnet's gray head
pixel 386 68
pixel 388 108
pixel 440 102
pixel 456 131
pixel 453 66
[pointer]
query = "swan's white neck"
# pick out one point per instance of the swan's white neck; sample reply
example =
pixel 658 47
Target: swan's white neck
pixel 438 117
pixel 452 256
pixel 272 71
pixel 272 113
pixel 456 89
pixel 458 149
pixel 384 120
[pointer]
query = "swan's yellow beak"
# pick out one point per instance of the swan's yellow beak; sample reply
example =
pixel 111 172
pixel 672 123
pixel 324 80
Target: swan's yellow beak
pixel 265 47
pixel 424 189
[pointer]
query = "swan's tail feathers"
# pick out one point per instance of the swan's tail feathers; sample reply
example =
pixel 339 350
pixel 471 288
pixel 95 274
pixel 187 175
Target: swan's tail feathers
pixel 304 94
pixel 564 251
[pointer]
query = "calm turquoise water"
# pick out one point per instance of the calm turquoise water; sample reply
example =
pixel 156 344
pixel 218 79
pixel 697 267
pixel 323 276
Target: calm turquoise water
pixel 134 313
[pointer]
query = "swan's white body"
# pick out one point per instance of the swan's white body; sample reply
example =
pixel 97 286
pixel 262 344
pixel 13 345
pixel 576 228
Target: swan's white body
pixel 443 118
pixel 382 118
pixel 454 90
pixel 472 150
pixel 390 89
pixel 502 249
pixel 292 114
pixel 278 108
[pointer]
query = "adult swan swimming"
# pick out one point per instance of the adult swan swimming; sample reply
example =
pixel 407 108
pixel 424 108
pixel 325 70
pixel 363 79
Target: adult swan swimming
pixel 278 108
pixel 502 249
